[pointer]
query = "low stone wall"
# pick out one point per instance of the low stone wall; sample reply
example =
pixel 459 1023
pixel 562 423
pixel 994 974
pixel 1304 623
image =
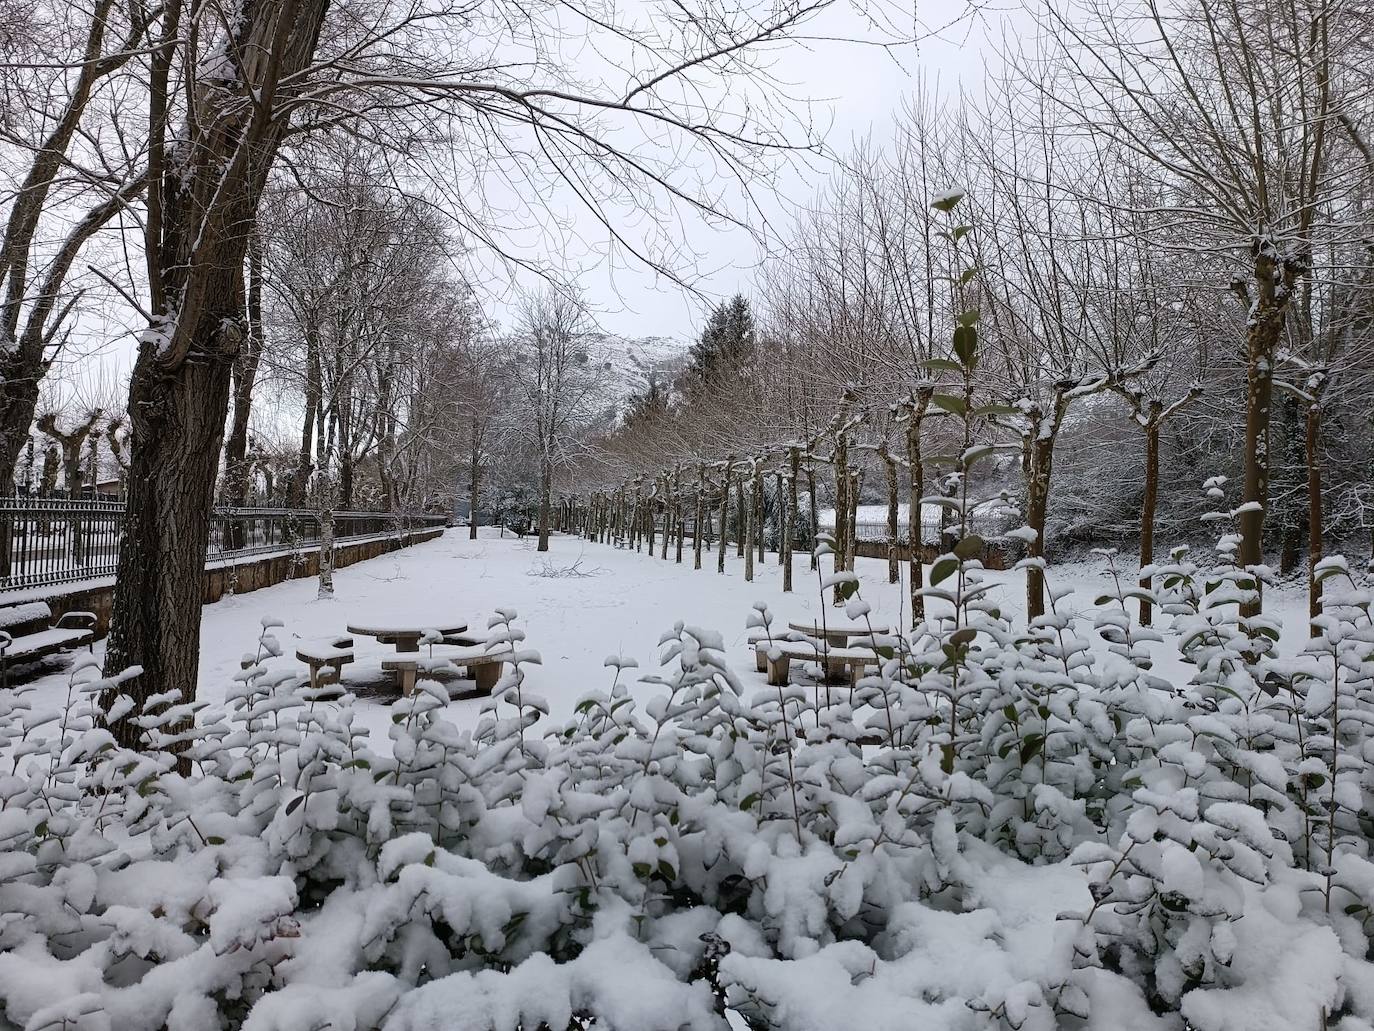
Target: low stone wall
pixel 247 574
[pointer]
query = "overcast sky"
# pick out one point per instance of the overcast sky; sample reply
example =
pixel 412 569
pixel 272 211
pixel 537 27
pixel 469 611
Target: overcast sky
pixel 859 89
pixel 854 90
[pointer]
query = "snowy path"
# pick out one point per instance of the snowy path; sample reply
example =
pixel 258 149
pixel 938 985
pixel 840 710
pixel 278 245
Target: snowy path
pixel 622 605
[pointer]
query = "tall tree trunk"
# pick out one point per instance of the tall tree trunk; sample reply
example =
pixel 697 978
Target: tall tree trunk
pixel 789 523
pixel 724 512
pixel 852 533
pixel 915 492
pixel 1037 502
pixel 545 496
pixel 178 426
pixel 890 468
pixel 699 517
pixel 814 507
pixel 750 524
pixel 740 544
pixel 1273 279
pixel 1147 515
pixel 474 490
pixel 314 414
pixel 841 461
pixel 1314 511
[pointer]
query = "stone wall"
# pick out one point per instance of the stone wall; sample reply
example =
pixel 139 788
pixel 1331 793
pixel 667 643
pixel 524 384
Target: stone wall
pixel 248 574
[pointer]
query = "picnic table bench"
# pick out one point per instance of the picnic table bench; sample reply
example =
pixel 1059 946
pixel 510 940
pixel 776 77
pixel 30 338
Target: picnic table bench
pixel 778 656
pixel 27 634
pixel 482 666
pixel 326 658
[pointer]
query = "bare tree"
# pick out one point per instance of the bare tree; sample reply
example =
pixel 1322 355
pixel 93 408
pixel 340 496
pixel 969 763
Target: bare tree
pixel 556 389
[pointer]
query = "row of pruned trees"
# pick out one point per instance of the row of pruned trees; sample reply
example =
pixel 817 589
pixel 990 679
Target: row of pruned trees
pixel 1165 238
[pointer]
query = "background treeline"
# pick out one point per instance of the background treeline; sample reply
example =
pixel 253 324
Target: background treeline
pixel 1170 217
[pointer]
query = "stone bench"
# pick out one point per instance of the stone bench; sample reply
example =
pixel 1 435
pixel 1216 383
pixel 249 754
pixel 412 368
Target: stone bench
pixel 27 634
pixel 326 658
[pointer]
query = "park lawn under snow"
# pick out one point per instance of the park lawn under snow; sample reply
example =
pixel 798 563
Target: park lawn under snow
pixel 578 604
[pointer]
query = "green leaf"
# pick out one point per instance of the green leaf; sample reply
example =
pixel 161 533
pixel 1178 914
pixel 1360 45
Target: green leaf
pixel 947 202
pixel 942 568
pixel 969 317
pixel 970 547
pixel 949 403
pixel 749 801
pixel 963 636
pixel 1031 747
pixel 967 274
pixel 966 345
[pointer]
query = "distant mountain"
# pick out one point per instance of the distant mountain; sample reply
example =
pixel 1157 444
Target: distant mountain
pixel 629 362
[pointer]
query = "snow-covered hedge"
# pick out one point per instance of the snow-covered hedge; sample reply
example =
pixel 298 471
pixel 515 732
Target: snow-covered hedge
pixel 1006 828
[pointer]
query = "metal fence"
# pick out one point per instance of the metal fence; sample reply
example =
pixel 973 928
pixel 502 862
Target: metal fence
pixel 47 541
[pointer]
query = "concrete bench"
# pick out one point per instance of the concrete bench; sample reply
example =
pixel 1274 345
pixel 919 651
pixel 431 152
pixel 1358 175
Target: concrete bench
pixel 326 658
pixel 28 634
pixel 778 659
pixel 482 666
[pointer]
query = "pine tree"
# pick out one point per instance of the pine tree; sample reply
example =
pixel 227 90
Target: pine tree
pixel 724 348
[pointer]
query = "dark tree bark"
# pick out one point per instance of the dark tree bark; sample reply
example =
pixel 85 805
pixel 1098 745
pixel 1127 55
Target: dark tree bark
pixel 916 411
pixel 1273 280
pixel 200 215
pixel 890 468
pixel 724 511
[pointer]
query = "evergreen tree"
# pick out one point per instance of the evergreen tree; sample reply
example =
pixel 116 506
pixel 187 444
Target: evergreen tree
pixel 724 348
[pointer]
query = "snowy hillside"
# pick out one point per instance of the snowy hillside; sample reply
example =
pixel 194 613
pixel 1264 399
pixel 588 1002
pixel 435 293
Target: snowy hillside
pixel 630 361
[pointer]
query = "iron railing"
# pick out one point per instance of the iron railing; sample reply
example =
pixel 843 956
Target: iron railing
pixel 45 541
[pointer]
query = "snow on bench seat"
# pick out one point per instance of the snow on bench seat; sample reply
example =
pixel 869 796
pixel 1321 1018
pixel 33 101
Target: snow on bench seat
pixel 326 658
pixel 28 612
pixel 482 666
pixel 47 641
pixel 779 656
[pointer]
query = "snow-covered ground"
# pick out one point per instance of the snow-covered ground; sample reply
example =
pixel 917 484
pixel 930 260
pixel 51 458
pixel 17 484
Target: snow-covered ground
pixel 577 604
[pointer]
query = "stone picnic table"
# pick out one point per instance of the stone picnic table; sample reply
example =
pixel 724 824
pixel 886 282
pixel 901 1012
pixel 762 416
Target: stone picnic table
pixel 406 636
pixel 483 667
pixel 837 632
